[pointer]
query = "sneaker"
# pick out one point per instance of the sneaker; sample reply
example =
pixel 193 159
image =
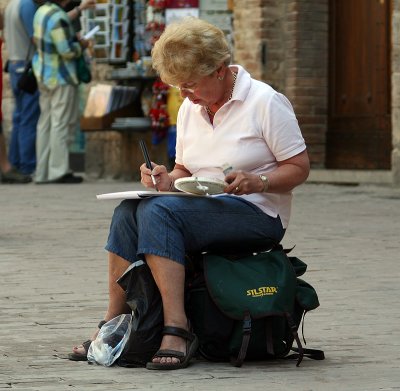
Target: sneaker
pixel 14 176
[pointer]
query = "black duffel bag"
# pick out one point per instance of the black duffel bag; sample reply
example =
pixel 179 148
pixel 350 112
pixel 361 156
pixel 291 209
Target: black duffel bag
pixel 143 297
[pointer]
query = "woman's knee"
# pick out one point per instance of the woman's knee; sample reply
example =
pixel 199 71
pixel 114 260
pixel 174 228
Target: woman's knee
pixel 124 214
pixel 154 209
pixel 124 209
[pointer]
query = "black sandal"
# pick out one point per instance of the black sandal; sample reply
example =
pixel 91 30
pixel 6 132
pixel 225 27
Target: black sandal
pixel 191 347
pixel 86 344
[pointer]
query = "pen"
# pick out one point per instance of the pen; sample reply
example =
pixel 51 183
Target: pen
pixel 147 160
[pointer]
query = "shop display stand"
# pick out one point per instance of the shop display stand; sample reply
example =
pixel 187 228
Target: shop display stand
pixel 113 42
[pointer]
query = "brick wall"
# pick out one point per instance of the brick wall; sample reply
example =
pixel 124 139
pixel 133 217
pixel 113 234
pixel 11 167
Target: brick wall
pixel 307 71
pixel 285 43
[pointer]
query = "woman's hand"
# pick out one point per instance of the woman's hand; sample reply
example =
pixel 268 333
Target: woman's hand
pixel 290 173
pixel 241 182
pixel 160 174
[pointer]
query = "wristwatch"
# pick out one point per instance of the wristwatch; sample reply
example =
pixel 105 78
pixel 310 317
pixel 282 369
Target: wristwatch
pixel 265 181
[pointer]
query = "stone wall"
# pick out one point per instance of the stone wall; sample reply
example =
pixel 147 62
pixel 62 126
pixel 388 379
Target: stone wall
pixel 396 91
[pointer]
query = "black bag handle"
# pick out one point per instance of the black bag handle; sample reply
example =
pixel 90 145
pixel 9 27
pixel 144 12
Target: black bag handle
pixel 27 62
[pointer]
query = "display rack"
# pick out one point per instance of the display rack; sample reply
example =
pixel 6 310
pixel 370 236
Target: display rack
pixel 113 42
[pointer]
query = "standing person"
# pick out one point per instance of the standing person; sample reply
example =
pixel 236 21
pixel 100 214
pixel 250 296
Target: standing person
pixel 18 32
pixel 226 117
pixel 8 173
pixel 54 65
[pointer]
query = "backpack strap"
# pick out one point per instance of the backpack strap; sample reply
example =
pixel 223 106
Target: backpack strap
pixel 301 352
pixel 238 362
pixel 314 354
pixel 293 328
pixel 270 339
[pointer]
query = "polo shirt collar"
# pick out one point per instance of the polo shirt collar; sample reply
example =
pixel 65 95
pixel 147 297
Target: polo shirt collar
pixel 242 85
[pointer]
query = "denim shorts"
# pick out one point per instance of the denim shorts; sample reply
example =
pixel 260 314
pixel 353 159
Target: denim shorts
pixel 171 226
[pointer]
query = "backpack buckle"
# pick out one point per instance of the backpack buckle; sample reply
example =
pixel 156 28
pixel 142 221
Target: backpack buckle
pixel 247 323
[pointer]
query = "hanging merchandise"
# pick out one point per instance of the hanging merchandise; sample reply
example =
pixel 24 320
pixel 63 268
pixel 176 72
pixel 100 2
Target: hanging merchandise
pixel 182 3
pixel 158 112
pixel 158 4
pixel 155 20
pixel 155 14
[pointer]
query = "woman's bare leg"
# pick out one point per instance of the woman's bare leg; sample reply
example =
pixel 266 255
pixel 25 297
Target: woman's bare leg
pixel 170 279
pixel 117 299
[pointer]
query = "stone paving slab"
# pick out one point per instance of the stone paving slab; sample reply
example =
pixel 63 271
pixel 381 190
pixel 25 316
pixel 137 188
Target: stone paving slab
pixel 53 292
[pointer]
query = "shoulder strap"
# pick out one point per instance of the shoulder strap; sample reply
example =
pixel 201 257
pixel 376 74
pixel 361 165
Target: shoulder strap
pixel 29 51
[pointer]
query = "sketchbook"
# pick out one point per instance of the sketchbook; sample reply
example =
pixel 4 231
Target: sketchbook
pixel 139 194
pixel 188 187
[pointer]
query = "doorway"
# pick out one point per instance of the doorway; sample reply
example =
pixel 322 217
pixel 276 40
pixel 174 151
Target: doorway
pixel 359 117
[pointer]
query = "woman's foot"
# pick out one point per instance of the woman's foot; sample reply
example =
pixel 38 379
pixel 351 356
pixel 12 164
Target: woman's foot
pixel 171 342
pixel 79 353
pixel 177 348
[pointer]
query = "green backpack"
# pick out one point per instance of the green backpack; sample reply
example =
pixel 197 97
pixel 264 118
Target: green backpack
pixel 250 308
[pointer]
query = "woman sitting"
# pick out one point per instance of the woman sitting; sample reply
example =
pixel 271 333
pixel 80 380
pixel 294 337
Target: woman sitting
pixel 226 117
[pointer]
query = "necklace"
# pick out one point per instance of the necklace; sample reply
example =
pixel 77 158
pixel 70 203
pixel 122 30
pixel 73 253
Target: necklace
pixel 230 96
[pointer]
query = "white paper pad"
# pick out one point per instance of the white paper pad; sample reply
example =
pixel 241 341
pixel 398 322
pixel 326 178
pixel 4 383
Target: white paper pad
pixel 139 194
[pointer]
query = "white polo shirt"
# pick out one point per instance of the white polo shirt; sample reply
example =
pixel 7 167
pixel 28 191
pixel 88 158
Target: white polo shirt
pixel 251 132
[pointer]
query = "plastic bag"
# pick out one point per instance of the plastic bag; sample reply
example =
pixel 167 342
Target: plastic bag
pixel 110 341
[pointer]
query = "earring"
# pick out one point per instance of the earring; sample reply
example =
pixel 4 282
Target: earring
pixel 220 78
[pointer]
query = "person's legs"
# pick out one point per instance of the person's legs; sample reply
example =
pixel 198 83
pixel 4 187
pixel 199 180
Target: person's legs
pixel 116 295
pixel 163 229
pixel 170 227
pixel 15 70
pixel 73 116
pixel 43 135
pixel 170 279
pixel 29 115
pixel 63 106
pixel 121 247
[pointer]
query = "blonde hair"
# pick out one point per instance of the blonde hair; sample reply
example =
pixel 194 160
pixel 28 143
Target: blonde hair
pixel 188 49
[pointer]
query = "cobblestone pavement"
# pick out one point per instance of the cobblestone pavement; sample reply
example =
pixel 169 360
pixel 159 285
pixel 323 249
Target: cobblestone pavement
pixel 53 292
